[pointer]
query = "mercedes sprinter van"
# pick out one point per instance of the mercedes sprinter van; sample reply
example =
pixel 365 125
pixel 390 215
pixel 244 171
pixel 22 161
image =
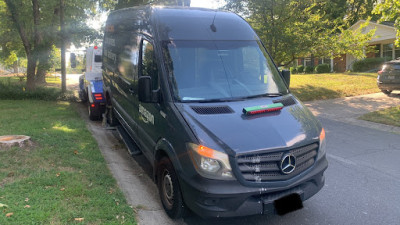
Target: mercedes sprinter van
pixel 196 91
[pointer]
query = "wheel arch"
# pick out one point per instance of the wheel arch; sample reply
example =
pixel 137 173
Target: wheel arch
pixel 165 149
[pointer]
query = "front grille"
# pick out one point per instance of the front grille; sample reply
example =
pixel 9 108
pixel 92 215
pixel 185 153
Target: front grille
pixel 265 166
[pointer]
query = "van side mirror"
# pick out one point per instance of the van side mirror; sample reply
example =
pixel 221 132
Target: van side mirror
pixel 146 94
pixel 286 76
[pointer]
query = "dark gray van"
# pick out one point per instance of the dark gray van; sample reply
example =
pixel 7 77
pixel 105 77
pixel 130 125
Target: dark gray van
pixel 196 91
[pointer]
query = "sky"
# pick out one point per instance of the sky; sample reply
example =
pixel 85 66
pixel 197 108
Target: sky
pixel 212 4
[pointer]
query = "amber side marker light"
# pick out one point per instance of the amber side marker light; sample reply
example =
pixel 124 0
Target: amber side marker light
pixel 204 151
pixel 322 134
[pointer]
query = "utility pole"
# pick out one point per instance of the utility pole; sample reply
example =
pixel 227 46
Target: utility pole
pixel 63 65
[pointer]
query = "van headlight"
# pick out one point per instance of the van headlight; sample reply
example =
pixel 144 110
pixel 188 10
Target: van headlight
pixel 210 163
pixel 322 144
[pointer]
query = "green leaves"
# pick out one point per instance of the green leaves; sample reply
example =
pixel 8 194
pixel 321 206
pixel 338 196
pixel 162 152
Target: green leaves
pixel 389 10
pixel 299 28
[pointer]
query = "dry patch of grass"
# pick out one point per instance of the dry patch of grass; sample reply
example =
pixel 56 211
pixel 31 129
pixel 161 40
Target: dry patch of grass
pixel 390 116
pixel 309 87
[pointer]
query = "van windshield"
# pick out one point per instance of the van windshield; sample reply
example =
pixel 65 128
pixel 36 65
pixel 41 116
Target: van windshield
pixel 220 70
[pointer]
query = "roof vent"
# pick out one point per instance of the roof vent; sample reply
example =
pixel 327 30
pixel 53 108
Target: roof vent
pixel 212 109
pixel 287 101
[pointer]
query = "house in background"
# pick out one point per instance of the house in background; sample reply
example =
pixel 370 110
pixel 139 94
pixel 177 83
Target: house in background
pixel 382 42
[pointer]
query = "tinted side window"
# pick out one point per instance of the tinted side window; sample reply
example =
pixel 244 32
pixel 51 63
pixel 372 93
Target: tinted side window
pixel 149 64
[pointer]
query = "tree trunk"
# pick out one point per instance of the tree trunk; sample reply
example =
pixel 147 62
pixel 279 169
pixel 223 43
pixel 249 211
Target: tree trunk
pixel 30 83
pixel 15 67
pixel 40 75
pixel 30 80
pixel 63 49
pixel 44 64
pixel 6 142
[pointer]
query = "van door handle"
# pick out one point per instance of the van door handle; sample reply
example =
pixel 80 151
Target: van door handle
pixel 131 91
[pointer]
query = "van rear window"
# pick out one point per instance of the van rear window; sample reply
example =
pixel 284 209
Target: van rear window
pixel 97 58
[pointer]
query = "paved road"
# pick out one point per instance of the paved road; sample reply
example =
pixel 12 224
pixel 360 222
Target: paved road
pixel 362 181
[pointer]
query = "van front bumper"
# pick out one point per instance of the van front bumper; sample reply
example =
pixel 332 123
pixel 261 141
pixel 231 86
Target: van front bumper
pixel 214 198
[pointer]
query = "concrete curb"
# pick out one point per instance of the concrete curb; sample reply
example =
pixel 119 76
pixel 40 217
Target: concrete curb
pixel 139 189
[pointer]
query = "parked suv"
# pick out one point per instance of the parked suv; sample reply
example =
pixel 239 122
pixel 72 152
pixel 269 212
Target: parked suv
pixel 389 76
pixel 196 91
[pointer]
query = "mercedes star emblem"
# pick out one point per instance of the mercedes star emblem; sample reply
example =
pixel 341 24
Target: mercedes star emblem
pixel 288 163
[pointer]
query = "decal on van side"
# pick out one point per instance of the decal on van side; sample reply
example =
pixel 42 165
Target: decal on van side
pixel 146 116
pixel 110 55
pixel 109 41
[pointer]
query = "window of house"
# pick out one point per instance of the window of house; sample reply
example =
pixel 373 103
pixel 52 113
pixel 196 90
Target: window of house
pixel 377 51
pixel 307 61
pixel 397 52
pixel 300 62
pixel 388 50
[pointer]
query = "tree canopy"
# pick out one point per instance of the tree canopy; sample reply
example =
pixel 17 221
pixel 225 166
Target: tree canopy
pixel 37 24
pixel 297 28
pixel 288 28
pixel 389 10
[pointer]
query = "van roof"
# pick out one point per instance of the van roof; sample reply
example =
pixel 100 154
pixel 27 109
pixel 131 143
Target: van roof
pixel 184 23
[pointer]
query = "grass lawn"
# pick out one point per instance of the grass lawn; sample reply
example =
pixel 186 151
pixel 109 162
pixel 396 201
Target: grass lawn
pixel 390 116
pixel 63 178
pixel 309 87
pixel 14 87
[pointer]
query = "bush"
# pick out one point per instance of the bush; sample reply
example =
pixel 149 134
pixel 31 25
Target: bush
pixel 368 64
pixel 11 90
pixel 300 69
pixel 293 70
pixel 309 69
pixel 323 68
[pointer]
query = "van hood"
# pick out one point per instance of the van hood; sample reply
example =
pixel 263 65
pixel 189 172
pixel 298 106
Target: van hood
pixel 236 133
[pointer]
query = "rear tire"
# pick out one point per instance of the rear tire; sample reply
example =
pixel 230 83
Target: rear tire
pixel 169 190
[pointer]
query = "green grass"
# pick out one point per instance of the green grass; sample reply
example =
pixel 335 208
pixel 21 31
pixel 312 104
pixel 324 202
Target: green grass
pixel 309 87
pixel 63 176
pixel 14 88
pixel 390 116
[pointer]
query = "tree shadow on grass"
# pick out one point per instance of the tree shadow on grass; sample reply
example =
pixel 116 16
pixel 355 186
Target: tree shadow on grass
pixel 309 93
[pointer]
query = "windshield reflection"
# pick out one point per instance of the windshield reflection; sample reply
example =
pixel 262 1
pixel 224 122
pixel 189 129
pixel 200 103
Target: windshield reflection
pixel 206 71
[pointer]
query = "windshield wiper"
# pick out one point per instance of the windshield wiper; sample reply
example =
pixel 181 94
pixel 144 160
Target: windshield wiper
pixel 220 100
pixel 265 95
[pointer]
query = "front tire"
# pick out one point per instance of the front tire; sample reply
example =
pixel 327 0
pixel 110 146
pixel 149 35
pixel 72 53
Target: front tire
pixel 110 115
pixel 387 92
pixel 169 189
